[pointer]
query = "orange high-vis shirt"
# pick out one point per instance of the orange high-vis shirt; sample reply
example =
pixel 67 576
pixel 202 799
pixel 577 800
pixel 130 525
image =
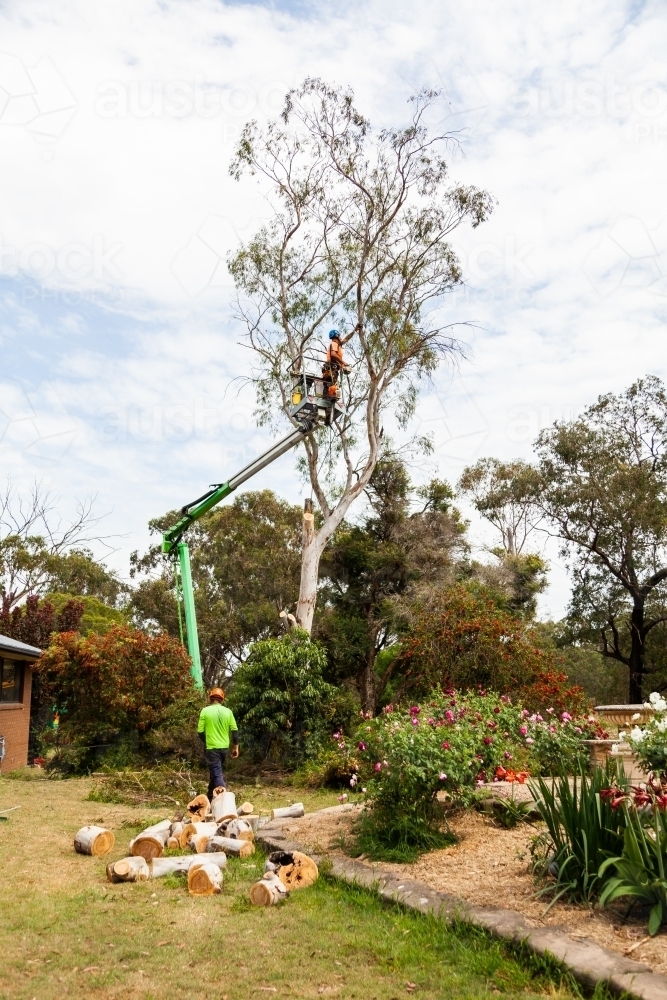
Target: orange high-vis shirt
pixel 335 352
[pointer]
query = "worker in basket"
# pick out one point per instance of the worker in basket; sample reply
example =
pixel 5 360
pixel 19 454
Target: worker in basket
pixel 217 728
pixel 334 364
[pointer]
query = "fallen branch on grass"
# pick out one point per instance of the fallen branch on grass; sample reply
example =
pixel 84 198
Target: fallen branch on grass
pixel 289 812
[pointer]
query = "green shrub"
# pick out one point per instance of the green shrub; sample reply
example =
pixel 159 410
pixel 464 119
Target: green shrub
pixel 642 868
pixel 583 830
pixel 280 698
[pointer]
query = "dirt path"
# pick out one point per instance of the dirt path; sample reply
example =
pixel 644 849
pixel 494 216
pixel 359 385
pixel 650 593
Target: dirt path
pixel 491 866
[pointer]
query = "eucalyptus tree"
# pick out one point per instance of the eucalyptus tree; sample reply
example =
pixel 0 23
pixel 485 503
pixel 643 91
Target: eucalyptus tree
pixel 600 486
pixel 358 239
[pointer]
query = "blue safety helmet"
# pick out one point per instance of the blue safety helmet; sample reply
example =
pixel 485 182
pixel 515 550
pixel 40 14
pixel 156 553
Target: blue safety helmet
pixel 333 334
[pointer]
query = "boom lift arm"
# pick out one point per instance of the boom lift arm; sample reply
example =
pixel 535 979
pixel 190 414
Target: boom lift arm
pixel 314 402
pixel 172 539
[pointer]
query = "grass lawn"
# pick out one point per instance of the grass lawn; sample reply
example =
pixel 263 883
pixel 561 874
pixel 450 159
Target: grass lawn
pixel 66 932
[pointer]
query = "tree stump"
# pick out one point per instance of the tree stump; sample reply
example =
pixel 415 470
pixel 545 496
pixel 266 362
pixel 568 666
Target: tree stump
pixel 134 869
pixel 268 891
pixel 94 840
pixel 204 879
pixel 245 809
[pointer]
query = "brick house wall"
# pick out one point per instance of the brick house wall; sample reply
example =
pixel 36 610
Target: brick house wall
pixel 15 727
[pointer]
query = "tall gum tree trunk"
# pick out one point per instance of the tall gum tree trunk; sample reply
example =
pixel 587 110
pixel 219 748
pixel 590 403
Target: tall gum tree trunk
pixel 636 665
pixel 314 543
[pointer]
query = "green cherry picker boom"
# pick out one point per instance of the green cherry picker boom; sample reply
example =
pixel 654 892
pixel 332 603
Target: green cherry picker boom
pixel 315 401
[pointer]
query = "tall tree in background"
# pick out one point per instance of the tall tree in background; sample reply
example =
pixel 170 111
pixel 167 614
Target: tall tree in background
pixel 359 240
pixel 500 492
pixel 246 559
pixel 410 539
pixel 39 552
pixel 600 486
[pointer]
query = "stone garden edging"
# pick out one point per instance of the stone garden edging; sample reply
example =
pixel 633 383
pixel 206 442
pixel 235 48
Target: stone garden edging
pixel 588 962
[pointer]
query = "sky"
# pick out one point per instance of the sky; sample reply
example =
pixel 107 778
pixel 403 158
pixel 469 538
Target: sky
pixel 121 360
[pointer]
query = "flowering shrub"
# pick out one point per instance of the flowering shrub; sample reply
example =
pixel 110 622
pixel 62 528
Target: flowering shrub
pixel 556 740
pixel 650 743
pixel 453 742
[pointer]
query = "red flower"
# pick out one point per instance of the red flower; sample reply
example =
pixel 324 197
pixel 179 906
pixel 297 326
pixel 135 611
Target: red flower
pixel 446 746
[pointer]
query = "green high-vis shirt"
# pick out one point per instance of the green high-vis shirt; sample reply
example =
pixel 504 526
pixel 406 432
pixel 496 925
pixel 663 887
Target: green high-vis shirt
pixel 217 722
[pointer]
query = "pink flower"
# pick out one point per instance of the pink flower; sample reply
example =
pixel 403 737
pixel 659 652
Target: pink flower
pixel 488 740
pixel 533 717
pixel 449 715
pixel 414 720
pixel 377 767
pixel 540 718
pixel 507 755
pixel 388 708
pixel 577 729
pixel 552 729
pixel 342 798
pixel 523 730
pixel 566 717
pixel 361 745
pixel 442 776
pixel 524 713
pixel 528 740
pixel 497 710
pixel 336 736
pixel 550 711
pixel 430 722
pixel 446 746
pixel 415 710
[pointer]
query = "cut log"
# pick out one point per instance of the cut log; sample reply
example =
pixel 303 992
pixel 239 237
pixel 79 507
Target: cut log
pixel 185 834
pixel 289 812
pixel 151 842
pixel 173 843
pixel 94 840
pixel 198 808
pixel 245 810
pixel 294 869
pixel 201 836
pixel 268 891
pixel 239 848
pixel 204 879
pixel 134 869
pixel 215 845
pixel 237 829
pixel 223 806
pixel 165 866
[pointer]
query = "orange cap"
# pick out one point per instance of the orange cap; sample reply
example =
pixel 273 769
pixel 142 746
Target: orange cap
pixel 217 693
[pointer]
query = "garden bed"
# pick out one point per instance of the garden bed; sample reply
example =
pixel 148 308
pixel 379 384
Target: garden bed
pixel 490 866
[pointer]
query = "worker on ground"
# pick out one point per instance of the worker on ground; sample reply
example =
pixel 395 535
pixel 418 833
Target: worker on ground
pixel 334 363
pixel 217 726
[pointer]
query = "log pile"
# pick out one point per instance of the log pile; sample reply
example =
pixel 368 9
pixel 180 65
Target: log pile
pixel 211 830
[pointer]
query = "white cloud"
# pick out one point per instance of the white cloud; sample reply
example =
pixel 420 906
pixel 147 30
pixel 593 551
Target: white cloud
pixel 122 213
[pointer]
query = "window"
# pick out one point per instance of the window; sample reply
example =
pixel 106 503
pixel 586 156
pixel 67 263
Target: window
pixel 12 682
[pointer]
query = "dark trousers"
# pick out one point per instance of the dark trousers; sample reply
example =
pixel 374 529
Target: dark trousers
pixel 215 760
